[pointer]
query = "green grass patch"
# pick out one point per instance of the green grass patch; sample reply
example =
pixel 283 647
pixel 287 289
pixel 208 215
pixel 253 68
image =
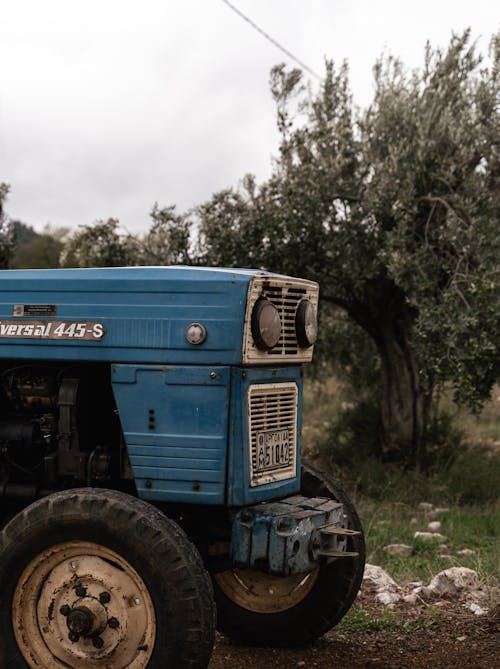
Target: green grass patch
pixel 472 527
pixel 465 477
pixel 359 620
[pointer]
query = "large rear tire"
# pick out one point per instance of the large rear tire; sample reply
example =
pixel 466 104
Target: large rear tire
pixel 95 578
pixel 258 609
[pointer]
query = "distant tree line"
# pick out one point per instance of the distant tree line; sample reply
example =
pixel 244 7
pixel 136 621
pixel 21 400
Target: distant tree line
pixel 393 209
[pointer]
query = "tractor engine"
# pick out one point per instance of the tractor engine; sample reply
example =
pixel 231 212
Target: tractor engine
pixel 47 434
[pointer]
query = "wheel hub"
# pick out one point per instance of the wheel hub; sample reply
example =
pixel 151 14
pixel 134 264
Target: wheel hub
pixel 91 610
pixel 80 621
pixel 88 617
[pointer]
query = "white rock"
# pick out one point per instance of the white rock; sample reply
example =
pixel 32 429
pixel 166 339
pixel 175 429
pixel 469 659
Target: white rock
pixel 387 590
pixel 434 526
pixel 413 521
pixel 387 598
pixel 476 609
pixel 412 598
pixel 425 506
pixel 441 509
pixel 398 549
pixel 413 585
pixel 430 536
pixel 378 579
pixel 466 551
pixel 452 581
pixel 425 592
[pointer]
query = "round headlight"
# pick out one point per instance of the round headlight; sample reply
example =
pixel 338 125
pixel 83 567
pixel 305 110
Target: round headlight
pixel 266 325
pixel 306 324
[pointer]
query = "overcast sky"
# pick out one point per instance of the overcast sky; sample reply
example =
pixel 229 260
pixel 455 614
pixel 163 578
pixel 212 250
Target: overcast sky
pixel 107 106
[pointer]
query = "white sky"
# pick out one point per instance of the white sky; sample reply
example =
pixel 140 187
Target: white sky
pixel 107 106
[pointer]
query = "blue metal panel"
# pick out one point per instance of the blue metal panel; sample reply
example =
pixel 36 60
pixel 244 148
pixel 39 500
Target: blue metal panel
pixel 175 422
pixel 145 311
pixel 239 491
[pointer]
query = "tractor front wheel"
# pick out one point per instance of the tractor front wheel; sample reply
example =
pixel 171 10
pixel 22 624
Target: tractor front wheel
pixel 95 578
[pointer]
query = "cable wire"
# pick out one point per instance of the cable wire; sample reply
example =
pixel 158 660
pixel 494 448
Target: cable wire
pixel 271 39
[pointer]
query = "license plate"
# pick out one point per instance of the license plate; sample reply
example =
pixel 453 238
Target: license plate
pixel 273 449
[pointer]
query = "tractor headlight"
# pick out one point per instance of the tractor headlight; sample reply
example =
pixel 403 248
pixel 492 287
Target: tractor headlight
pixel 266 325
pixel 306 324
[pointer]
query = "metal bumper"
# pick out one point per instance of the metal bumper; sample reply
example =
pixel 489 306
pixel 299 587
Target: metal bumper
pixel 292 536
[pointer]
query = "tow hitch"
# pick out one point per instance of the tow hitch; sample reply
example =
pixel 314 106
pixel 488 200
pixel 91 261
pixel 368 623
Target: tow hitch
pixel 292 536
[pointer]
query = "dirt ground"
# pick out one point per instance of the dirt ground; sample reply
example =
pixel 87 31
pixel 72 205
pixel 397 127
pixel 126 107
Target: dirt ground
pixel 450 637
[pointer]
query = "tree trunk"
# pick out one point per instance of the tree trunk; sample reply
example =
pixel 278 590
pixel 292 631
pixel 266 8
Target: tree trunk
pixel 405 394
pixel 404 402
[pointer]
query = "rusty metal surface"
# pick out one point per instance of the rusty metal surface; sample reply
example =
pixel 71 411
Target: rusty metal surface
pixel 263 593
pixel 83 606
pixel 293 536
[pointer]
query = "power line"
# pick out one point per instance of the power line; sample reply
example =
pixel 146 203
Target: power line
pixel 271 39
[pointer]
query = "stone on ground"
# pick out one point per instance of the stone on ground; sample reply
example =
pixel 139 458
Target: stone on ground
pixel 426 506
pixel 398 549
pixel 387 591
pixel 452 582
pixel 430 536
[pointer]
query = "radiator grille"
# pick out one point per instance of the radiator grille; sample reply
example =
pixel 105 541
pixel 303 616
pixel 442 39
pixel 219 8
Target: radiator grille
pixel 285 294
pixel 272 411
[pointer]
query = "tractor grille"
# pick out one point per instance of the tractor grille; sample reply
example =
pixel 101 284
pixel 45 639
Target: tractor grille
pixel 272 429
pixel 285 294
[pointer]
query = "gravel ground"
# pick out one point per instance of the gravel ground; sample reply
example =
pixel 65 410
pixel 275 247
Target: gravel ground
pixel 451 639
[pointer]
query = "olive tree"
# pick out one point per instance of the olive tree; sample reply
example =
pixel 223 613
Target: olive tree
pixel 167 241
pixel 103 244
pixel 394 209
pixel 99 245
pixel 6 240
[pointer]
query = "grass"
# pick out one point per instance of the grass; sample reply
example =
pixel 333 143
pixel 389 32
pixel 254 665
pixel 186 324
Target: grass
pixel 484 428
pixel 475 528
pixel 466 480
pixel 359 619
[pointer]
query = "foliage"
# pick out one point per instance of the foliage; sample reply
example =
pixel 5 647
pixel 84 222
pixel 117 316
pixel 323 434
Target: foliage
pixel 100 245
pixel 103 245
pixel 6 240
pixel 167 241
pixel 464 459
pixel 22 233
pixel 36 250
pixel 394 210
pixel 474 476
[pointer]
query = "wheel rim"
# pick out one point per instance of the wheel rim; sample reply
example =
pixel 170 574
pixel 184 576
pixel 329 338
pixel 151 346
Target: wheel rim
pixel 81 605
pixel 263 593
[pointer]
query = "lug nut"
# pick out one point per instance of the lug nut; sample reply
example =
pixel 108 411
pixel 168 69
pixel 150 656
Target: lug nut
pixel 113 623
pixel 81 591
pixel 104 597
pixel 97 642
pixel 74 637
pixel 64 610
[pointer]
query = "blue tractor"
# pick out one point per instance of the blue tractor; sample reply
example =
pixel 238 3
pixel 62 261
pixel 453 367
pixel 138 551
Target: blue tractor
pixel 150 469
